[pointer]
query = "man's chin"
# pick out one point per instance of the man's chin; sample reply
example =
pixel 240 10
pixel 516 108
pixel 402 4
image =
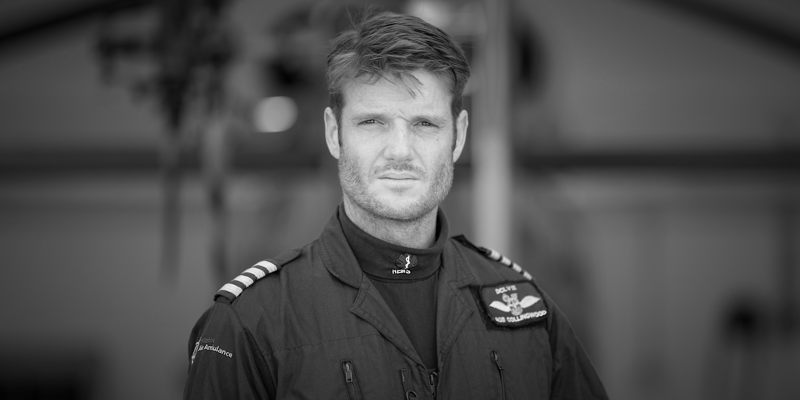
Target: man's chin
pixel 400 208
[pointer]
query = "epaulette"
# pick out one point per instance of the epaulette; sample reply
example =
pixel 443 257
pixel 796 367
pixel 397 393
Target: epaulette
pixel 231 290
pixel 237 285
pixel 494 255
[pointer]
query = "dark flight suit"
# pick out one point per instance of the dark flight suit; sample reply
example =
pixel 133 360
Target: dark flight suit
pixel 311 325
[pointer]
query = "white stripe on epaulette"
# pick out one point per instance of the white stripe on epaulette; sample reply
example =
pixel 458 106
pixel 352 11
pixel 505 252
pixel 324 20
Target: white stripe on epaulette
pixel 232 289
pixel 237 285
pixel 496 256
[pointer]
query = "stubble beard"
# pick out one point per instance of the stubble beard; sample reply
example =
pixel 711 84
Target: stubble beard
pixel 355 187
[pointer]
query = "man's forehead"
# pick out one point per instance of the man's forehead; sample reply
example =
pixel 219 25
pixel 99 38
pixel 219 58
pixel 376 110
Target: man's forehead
pixel 420 90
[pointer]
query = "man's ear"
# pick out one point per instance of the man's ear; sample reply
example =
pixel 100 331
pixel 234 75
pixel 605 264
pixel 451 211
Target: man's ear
pixel 462 123
pixel 332 133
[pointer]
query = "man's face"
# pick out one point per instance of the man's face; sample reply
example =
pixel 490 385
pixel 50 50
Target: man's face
pixel 396 145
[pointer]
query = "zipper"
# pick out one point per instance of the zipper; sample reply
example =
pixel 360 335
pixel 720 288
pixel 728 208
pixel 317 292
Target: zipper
pixel 496 359
pixel 350 380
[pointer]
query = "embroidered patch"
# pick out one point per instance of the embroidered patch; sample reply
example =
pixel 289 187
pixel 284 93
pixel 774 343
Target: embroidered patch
pixel 404 263
pixel 207 344
pixel 513 304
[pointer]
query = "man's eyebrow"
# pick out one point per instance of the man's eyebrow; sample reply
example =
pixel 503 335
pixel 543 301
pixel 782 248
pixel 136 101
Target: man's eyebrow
pixel 439 119
pixel 365 115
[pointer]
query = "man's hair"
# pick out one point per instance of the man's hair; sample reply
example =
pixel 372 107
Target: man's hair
pixel 391 46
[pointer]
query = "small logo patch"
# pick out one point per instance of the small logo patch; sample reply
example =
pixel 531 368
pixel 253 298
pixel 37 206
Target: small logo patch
pixel 404 263
pixel 513 304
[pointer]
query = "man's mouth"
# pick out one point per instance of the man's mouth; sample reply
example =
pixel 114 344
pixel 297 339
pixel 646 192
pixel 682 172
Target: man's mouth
pixel 398 175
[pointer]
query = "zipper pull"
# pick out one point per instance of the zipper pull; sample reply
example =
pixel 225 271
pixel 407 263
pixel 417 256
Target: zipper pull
pixel 348 371
pixel 433 380
pixel 496 359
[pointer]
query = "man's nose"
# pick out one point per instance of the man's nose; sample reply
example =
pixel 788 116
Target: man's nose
pixel 399 143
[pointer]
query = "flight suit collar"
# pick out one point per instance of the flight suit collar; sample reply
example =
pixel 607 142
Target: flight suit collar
pixel 392 262
pixel 454 304
pixel 337 256
pixel 340 261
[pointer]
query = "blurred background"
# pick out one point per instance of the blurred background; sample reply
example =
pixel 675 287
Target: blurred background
pixel 639 157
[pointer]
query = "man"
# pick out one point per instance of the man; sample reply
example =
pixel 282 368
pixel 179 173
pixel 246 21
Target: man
pixel 383 305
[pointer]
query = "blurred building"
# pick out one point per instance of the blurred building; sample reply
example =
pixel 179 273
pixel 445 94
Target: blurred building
pixel 651 151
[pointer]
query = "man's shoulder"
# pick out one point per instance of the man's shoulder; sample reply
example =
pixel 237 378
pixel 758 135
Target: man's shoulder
pixel 487 258
pixel 254 280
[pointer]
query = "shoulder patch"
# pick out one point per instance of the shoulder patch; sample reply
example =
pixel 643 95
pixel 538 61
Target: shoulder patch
pixel 231 290
pixel 494 255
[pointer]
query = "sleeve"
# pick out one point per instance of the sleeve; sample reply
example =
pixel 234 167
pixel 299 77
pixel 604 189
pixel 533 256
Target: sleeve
pixel 574 376
pixel 225 361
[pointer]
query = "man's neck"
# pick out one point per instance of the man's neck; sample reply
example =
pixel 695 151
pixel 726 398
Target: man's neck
pixel 416 234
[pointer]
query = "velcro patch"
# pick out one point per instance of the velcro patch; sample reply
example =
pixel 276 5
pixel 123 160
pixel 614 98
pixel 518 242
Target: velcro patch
pixel 512 304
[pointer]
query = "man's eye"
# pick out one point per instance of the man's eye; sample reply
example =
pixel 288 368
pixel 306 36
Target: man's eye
pixel 426 124
pixel 368 122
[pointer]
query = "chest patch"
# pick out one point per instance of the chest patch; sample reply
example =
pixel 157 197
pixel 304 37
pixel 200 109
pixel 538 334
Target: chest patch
pixel 512 304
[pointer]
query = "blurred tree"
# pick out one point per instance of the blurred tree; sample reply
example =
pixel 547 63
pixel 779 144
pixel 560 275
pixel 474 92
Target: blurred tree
pixel 186 51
